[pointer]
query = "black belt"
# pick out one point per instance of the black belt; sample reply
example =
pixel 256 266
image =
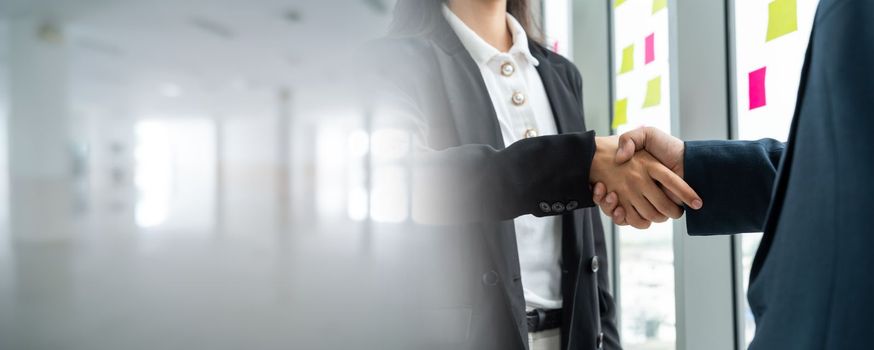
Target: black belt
pixel 541 320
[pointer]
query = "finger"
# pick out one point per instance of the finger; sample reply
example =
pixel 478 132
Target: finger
pixel 646 209
pixel 633 218
pixel 610 202
pixel 598 193
pixel 629 143
pixel 657 197
pixel 636 220
pixel 673 183
pixel 619 216
pixel 674 198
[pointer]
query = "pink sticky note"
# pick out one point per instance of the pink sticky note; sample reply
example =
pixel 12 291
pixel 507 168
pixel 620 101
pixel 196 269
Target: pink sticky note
pixel 650 49
pixel 757 88
pixel 555 46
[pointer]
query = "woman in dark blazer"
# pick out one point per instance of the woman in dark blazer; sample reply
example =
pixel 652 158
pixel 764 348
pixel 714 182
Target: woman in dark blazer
pixel 505 161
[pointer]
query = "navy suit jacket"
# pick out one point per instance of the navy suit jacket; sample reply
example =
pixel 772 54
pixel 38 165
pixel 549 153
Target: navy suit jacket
pixel 812 281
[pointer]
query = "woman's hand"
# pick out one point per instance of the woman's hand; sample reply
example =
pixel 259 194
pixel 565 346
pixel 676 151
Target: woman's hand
pixel 643 188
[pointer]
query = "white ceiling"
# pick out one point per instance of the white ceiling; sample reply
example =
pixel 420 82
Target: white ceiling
pixel 226 57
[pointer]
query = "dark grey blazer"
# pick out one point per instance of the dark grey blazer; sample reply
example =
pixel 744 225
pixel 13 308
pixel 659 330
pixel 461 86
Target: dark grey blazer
pixel 489 184
pixel 812 281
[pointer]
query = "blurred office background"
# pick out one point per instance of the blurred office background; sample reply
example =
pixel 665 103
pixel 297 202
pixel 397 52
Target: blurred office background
pixel 186 174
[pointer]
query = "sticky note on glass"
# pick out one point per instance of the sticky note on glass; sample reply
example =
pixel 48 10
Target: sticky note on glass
pixel 617 3
pixel 757 88
pixel 658 5
pixel 620 113
pixel 627 59
pixel 650 49
pixel 653 92
pixel 782 18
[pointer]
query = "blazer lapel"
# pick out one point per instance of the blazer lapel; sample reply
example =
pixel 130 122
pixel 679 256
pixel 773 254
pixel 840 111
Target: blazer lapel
pixel 475 118
pixel 565 107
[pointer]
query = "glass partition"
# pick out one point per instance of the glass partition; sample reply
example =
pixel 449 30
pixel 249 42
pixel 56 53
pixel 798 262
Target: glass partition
pixel 642 97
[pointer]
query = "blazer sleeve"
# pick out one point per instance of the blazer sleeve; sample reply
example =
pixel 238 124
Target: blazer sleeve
pixel 542 176
pixel 735 179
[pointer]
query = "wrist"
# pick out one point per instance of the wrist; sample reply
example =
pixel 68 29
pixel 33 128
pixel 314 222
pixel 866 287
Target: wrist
pixel 679 168
pixel 605 151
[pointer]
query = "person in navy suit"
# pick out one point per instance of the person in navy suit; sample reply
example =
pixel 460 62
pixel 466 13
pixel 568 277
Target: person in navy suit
pixel 812 280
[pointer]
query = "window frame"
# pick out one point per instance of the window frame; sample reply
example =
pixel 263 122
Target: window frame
pixel 708 288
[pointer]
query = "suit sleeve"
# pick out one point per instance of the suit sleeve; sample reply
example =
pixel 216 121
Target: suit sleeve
pixel 735 179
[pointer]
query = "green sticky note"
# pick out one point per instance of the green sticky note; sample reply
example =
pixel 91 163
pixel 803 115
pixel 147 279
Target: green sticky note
pixel 782 18
pixel 620 113
pixel 658 5
pixel 617 3
pixel 627 59
pixel 653 92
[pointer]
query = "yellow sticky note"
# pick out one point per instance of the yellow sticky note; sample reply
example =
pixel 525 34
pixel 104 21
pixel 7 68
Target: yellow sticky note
pixel 627 59
pixel 620 113
pixel 653 92
pixel 782 18
pixel 617 3
pixel 658 5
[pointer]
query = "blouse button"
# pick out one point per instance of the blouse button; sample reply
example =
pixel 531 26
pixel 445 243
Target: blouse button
pixel 529 133
pixel 507 69
pixel 518 98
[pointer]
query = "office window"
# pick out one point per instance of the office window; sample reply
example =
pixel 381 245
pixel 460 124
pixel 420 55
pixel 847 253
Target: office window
pixel 331 168
pixel 175 174
pixel 642 97
pixel 389 201
pixel 358 206
pixel 377 175
pixel 770 41
pixel 557 26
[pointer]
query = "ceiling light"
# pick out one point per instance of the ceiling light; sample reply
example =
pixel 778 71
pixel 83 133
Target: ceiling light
pixel 293 16
pixel 50 33
pixel 212 27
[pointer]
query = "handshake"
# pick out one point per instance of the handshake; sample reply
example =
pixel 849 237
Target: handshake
pixel 638 178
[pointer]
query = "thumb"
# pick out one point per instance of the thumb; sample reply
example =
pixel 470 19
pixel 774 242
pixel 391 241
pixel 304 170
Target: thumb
pixel 625 151
pixel 629 143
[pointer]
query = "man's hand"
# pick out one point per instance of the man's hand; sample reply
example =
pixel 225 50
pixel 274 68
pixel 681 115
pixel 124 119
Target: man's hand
pixel 635 184
pixel 664 147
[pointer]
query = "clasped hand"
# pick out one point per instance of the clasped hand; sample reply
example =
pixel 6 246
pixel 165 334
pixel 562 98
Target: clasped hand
pixel 638 178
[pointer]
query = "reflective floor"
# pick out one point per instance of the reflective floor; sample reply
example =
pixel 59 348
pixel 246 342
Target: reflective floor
pixel 110 289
